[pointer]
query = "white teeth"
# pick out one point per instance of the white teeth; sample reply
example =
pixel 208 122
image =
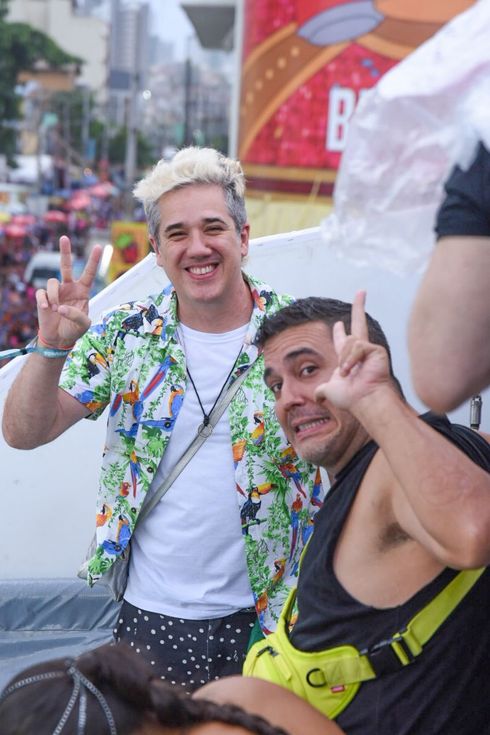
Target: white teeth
pixel 310 424
pixel 200 271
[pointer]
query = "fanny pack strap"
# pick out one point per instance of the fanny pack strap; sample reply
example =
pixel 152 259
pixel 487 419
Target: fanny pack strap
pixel 424 624
pixel 387 656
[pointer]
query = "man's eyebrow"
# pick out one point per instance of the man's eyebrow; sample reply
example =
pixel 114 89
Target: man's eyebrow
pixel 180 225
pixel 212 220
pixel 173 226
pixel 291 357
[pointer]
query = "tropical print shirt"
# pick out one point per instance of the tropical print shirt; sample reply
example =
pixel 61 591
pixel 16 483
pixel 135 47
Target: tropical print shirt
pixel 132 362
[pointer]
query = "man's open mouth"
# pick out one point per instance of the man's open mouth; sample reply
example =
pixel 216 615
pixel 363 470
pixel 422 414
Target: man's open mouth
pixel 201 270
pixel 310 424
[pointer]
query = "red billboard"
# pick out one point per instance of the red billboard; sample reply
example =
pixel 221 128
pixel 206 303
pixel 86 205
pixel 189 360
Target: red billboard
pixel 305 65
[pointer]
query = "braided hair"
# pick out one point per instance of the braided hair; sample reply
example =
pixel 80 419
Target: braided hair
pixel 108 691
pixel 172 709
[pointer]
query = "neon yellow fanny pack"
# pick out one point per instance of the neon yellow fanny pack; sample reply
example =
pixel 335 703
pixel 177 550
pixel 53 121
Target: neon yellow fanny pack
pixel 329 680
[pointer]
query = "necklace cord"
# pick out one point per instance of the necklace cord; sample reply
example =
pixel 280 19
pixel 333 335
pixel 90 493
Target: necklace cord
pixel 206 416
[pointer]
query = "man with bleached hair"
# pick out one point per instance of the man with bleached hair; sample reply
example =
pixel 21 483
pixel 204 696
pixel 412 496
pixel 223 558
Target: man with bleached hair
pixel 220 551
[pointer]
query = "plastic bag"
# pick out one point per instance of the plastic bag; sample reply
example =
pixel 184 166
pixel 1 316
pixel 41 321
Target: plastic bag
pixel 424 115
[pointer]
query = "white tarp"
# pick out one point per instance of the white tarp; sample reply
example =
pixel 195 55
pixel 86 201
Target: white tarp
pixel 407 132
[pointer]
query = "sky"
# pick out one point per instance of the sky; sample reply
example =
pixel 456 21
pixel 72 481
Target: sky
pixel 171 23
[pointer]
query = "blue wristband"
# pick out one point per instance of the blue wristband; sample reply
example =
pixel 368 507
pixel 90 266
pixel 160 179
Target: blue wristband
pixel 48 351
pixel 34 346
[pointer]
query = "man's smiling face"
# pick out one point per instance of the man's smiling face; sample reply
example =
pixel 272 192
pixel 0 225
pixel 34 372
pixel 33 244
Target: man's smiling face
pixel 199 247
pixel 297 361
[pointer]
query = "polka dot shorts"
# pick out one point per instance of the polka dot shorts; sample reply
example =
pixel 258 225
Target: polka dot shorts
pixel 187 653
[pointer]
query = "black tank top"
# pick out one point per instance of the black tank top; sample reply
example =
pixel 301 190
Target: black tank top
pixel 444 692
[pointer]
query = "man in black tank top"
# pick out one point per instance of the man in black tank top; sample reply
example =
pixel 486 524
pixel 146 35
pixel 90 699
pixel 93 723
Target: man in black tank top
pixel 408 507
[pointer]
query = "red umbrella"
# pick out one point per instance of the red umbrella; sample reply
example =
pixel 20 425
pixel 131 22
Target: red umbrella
pixel 103 189
pixel 55 216
pixel 15 231
pixel 80 201
pixel 23 219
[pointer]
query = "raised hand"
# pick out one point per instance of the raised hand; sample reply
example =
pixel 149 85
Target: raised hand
pixel 62 307
pixel 362 368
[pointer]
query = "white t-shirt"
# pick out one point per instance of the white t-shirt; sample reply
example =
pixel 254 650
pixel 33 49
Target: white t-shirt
pixel 188 555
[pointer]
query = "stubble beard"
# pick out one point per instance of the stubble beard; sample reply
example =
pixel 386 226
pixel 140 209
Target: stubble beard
pixel 335 450
pixel 321 453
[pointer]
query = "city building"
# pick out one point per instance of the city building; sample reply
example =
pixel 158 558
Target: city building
pixel 129 54
pixel 69 24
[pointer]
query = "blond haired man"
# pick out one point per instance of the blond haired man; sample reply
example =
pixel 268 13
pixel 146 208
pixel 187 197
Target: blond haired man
pixel 221 549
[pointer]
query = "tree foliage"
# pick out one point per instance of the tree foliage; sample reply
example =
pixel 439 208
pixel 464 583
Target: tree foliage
pixel 69 108
pixel 117 149
pixel 29 45
pixel 20 48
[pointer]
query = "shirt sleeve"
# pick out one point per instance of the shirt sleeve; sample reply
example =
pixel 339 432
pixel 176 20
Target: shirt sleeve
pixel 465 209
pixel 86 374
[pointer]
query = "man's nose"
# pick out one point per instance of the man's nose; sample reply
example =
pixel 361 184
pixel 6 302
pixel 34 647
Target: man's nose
pixel 197 243
pixel 290 395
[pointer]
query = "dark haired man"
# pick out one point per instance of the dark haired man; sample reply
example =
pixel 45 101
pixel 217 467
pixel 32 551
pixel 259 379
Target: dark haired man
pixel 407 509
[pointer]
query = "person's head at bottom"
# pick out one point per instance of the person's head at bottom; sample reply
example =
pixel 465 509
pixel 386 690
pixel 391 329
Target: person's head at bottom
pixel 280 707
pixel 111 691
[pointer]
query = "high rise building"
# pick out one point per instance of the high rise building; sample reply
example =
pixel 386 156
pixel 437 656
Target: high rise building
pixel 129 45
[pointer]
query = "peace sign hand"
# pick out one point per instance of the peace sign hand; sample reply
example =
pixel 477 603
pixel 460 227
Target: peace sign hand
pixel 62 307
pixel 363 367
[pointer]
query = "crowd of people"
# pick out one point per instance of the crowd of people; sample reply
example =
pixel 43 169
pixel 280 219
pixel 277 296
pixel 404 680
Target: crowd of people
pixel 18 319
pixel 383 626
pixel 23 235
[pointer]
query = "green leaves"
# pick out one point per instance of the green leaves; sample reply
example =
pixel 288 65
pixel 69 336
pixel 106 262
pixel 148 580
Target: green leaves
pixel 20 48
pixel 29 45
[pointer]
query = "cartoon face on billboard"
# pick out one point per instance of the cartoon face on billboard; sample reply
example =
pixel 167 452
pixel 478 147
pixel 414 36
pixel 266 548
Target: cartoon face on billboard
pixel 306 63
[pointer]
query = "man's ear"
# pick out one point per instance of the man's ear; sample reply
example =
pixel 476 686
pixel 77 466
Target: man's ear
pixel 156 250
pixel 154 244
pixel 244 240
